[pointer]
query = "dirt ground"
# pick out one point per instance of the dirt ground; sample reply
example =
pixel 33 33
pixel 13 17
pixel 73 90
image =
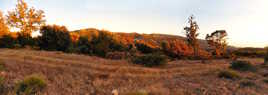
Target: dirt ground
pixel 72 74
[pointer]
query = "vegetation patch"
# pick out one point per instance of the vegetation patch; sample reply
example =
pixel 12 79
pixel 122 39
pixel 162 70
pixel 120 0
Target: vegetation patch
pixel 243 66
pixel 31 85
pixel 137 93
pixel 247 83
pixel 150 60
pixel 229 74
pixel 2 66
pixel 1 84
pixel 265 81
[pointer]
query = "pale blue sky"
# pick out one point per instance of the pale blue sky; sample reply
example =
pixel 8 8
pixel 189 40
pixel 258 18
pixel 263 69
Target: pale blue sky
pixel 244 20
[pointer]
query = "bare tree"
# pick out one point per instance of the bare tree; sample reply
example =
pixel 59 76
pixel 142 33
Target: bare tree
pixel 25 19
pixel 191 34
pixel 3 27
pixel 217 41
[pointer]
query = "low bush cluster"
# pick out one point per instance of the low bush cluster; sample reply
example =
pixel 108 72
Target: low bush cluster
pixel 2 84
pixel 266 56
pixel 2 66
pixel 150 60
pixel 31 85
pixel 55 38
pixel 247 83
pixel 144 48
pixel 117 55
pixel 229 74
pixel 7 41
pixel 242 66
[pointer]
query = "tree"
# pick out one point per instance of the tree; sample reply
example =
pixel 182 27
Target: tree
pixel 25 19
pixel 55 38
pixel 84 45
pixel 7 41
pixel 191 34
pixel 217 41
pixel 3 27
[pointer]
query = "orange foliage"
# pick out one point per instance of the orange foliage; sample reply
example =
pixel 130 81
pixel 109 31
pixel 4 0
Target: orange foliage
pixel 74 36
pixel 178 48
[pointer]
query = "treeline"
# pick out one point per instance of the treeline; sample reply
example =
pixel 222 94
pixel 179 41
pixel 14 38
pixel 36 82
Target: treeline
pixel 100 42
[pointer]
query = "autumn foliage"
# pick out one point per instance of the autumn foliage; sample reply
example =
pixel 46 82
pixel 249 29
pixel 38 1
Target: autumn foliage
pixel 102 42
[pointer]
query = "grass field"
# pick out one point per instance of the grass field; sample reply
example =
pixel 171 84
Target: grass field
pixel 71 74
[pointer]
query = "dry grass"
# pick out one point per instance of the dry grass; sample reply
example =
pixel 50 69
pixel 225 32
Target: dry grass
pixel 70 74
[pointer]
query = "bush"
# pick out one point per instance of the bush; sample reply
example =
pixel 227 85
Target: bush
pixel 266 56
pixel 247 83
pixel 229 74
pixel 116 55
pixel 7 41
pixel 55 38
pixel 2 66
pixel 176 49
pixel 144 48
pixel 265 81
pixel 26 40
pixel 30 85
pixel 150 60
pixel 84 45
pixel 137 93
pixel 105 42
pixel 242 66
pixel 2 84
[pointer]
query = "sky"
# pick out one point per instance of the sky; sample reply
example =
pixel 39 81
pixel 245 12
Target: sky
pixel 244 20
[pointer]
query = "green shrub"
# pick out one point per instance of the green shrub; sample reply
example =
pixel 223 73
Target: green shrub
pixel 31 85
pixel 247 83
pixel 266 56
pixel 144 48
pixel 105 42
pixel 26 40
pixel 150 60
pixel 2 66
pixel 55 38
pixel 137 93
pixel 242 66
pixel 229 74
pixel 84 46
pixel 265 81
pixel 7 41
pixel 1 85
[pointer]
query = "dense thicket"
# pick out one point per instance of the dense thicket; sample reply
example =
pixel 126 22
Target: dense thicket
pixel 54 37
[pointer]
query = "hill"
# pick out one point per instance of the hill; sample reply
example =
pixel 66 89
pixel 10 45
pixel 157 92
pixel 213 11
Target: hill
pixel 153 39
pixel 71 74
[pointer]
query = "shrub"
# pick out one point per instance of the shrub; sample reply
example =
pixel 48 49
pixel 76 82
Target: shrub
pixel 144 48
pixel 30 85
pixel 265 81
pixel 266 56
pixel 247 83
pixel 7 41
pixel 150 60
pixel 84 45
pixel 242 66
pixel 116 55
pixel 2 84
pixel 137 93
pixel 55 38
pixel 105 42
pixel 229 74
pixel 26 40
pixel 2 66
pixel 176 49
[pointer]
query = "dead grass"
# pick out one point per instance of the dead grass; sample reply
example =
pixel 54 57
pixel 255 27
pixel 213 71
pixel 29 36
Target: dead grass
pixel 71 74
